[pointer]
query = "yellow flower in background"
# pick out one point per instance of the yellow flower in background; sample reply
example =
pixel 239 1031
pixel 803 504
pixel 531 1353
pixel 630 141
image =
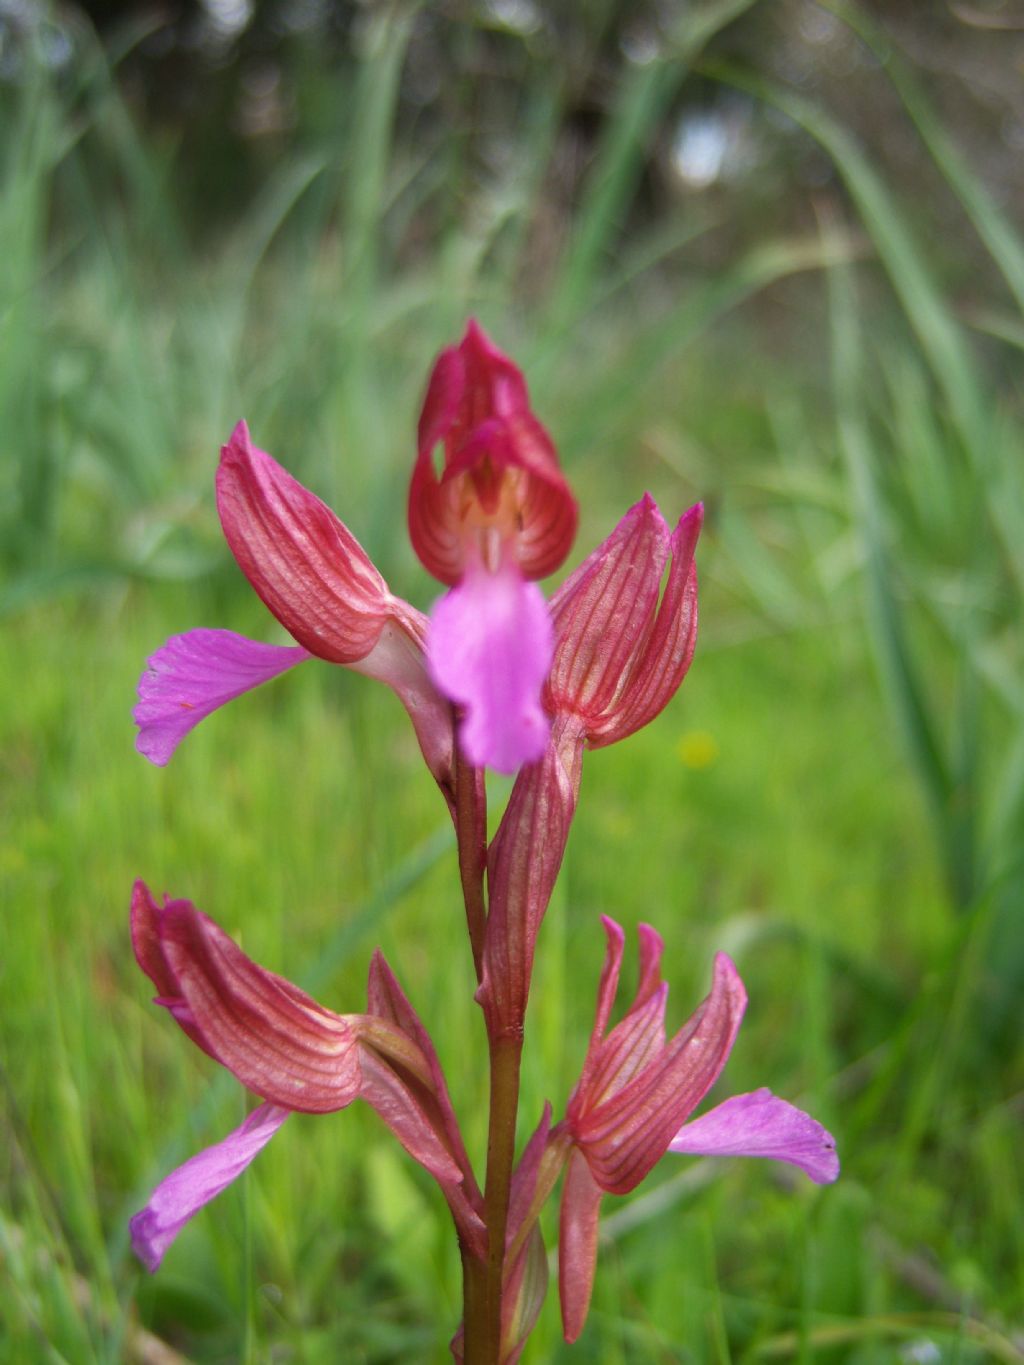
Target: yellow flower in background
pixel 697 749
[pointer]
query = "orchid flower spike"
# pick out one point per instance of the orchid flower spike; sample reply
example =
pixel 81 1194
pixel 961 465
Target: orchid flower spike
pixel 319 582
pixel 298 1057
pixel 635 1094
pixel 498 515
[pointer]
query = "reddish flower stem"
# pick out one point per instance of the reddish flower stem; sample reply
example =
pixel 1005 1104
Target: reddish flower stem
pixel 471 832
pixel 483 1282
pixel 506 1055
pixel 474 1305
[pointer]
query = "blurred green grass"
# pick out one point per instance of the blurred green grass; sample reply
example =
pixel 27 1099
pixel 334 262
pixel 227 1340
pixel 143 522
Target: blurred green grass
pixel 835 797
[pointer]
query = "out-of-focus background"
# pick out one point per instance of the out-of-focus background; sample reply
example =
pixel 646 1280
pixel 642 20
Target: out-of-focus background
pixel 765 254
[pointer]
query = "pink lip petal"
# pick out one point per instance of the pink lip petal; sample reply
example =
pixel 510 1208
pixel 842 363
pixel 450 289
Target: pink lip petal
pixel 192 675
pixel 186 1190
pixel 488 650
pixel 760 1124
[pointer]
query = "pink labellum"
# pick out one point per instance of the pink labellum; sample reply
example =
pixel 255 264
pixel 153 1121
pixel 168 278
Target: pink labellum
pixel 194 674
pixel 636 1091
pixel 184 1192
pixel 488 650
pixel 760 1124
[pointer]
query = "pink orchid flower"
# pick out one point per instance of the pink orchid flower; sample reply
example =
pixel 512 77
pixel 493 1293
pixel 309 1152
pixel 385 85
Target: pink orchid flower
pixel 497 516
pixel 318 581
pixel 625 631
pixel 623 644
pixel 635 1094
pixel 298 1057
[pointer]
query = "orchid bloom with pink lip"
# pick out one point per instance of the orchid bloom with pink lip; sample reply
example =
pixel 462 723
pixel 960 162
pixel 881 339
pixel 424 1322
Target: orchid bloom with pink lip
pixel 319 582
pixel 298 1057
pixel 497 516
pixel 635 1095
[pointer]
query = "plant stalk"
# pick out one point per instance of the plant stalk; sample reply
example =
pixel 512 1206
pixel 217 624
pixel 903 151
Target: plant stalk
pixel 471 832
pixel 484 1346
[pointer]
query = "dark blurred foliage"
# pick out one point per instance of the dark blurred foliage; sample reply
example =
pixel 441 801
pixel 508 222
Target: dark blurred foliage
pixel 227 88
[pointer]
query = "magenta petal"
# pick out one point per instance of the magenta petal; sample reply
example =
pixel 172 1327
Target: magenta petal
pixel 489 649
pixel 185 1191
pixel 760 1124
pixel 195 673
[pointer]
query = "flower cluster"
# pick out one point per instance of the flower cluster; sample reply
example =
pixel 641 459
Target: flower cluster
pixel 497 676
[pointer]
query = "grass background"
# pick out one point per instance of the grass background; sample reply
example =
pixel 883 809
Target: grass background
pixel 835 797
